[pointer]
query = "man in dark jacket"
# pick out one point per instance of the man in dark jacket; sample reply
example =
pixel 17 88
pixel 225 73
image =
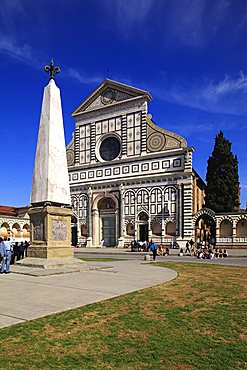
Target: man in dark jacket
pixel 154 248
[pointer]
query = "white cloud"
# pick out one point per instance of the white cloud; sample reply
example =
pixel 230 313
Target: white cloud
pixel 227 96
pixel 9 47
pixel 227 86
pixel 74 73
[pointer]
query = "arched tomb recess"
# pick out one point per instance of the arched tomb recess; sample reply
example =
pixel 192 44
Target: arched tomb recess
pixel 204 223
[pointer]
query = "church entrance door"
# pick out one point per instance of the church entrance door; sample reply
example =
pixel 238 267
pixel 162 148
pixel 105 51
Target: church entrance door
pixel 74 231
pixel 105 225
pixel 143 233
pixel 109 230
pixel 143 227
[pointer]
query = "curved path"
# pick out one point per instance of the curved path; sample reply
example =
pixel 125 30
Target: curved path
pixel 24 297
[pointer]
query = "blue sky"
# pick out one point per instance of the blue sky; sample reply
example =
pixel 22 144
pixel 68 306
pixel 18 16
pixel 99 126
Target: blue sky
pixel 189 54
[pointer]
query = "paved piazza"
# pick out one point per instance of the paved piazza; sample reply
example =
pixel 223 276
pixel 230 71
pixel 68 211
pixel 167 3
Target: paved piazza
pixel 25 297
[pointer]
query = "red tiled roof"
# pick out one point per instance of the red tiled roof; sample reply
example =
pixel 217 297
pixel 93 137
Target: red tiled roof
pixel 9 210
pixel 242 210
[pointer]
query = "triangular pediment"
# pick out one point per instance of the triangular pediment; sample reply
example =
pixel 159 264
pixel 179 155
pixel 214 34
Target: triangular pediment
pixel 110 93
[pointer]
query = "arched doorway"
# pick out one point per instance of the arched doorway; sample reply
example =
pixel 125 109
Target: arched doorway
pixel 74 236
pixel 205 229
pixel 107 219
pixel 143 227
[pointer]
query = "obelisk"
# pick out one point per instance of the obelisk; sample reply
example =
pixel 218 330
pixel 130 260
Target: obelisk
pixel 50 212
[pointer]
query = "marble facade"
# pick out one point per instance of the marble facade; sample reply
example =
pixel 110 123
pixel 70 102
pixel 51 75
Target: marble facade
pixel 129 178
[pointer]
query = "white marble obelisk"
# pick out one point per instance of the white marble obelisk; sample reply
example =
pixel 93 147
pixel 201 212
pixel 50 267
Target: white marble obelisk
pixel 50 212
pixel 50 177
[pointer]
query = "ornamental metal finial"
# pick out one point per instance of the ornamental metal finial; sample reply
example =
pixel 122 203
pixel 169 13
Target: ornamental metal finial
pixel 52 69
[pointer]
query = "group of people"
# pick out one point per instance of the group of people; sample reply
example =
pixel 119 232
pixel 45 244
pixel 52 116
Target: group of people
pixel 139 246
pixel 203 251
pixel 210 253
pixel 9 251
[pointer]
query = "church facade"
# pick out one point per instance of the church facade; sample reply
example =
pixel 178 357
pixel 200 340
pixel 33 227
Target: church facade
pixel 129 178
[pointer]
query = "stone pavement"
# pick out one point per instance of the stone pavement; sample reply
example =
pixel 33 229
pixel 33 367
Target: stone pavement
pixel 25 297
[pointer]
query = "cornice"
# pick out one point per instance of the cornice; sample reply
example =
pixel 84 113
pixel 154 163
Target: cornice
pixel 109 107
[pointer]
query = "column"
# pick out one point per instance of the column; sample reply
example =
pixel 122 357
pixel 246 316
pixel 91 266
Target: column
pixel 95 240
pixel 234 232
pixel 149 230
pixel 162 229
pixel 121 216
pixel 178 211
pixel 89 220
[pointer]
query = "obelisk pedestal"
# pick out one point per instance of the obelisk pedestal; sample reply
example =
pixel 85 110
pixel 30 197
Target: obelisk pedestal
pixel 50 232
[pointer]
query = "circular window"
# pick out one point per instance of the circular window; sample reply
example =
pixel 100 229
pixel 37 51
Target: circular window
pixel 108 96
pixel 109 148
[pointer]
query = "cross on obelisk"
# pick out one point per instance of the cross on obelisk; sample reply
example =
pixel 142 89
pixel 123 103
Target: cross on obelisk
pixel 52 70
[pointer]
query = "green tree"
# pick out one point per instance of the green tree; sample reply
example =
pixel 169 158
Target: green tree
pixel 222 190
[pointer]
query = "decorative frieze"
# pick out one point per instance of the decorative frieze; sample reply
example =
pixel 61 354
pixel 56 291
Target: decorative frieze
pixel 157 166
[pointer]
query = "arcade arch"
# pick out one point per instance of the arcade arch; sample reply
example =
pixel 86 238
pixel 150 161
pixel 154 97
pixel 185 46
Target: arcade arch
pixel 170 228
pixel 241 228
pixel 16 231
pixel 26 231
pixel 5 229
pixel 156 228
pixel 130 229
pixel 225 228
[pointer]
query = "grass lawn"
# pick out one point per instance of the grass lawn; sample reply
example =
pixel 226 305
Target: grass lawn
pixel 197 321
pixel 102 259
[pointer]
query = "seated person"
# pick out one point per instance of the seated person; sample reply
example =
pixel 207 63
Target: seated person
pixel 167 252
pixel 225 253
pixel 160 250
pixel 181 253
pixel 210 254
pixel 200 254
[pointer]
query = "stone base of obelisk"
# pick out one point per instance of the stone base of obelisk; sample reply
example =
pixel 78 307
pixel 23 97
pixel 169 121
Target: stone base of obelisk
pixel 50 234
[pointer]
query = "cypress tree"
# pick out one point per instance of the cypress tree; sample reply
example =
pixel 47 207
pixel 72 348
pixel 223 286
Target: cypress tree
pixel 222 190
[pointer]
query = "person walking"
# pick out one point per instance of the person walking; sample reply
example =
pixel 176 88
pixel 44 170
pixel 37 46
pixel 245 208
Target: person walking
pixel 7 255
pixel 154 248
pixel 188 247
pixel 1 249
